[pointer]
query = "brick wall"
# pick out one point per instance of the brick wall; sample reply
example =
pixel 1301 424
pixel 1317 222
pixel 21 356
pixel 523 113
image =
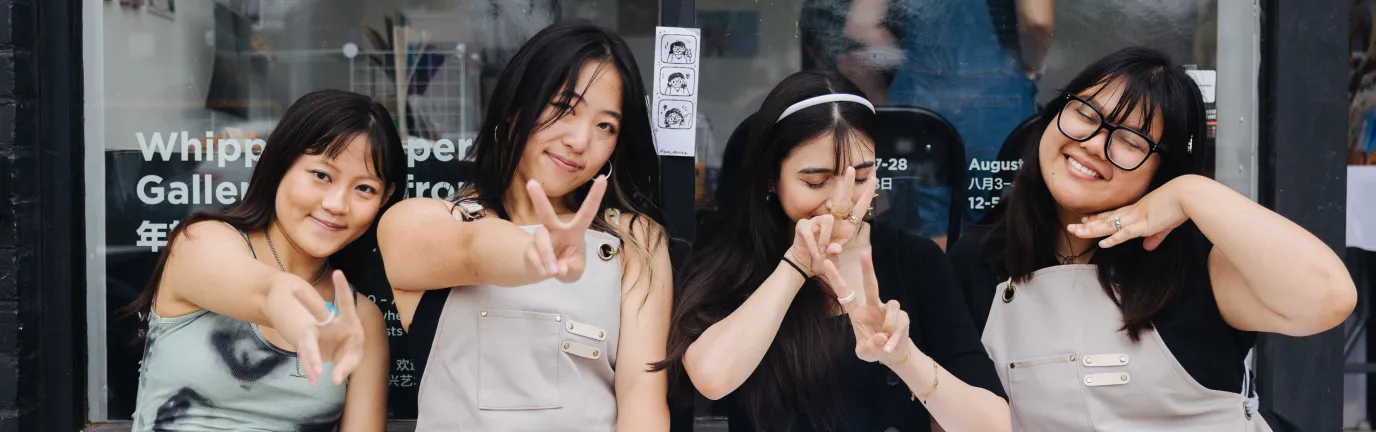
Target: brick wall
pixel 18 212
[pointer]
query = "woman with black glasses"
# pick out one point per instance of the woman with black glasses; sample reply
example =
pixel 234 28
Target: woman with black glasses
pixel 1121 291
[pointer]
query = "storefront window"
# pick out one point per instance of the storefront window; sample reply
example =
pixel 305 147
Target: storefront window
pixel 955 81
pixel 182 94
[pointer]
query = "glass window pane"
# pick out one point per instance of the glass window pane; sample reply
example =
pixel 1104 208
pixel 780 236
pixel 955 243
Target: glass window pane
pixel 958 83
pixel 183 91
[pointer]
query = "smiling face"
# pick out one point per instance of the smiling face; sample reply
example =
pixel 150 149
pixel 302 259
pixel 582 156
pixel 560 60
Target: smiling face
pixel 679 49
pixel 677 83
pixel 571 150
pixel 1079 175
pixel 806 180
pixel 324 204
pixel 674 118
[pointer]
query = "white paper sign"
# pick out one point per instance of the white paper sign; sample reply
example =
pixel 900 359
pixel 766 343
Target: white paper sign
pixel 1206 79
pixel 673 109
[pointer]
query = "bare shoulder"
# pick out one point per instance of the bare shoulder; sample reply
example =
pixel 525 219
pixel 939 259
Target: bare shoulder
pixel 208 233
pixel 419 207
pixel 644 229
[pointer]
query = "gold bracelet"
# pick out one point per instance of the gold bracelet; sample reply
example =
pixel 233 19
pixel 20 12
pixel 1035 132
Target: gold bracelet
pixel 936 380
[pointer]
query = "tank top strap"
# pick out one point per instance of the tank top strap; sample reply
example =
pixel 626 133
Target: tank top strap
pixel 245 235
pixel 468 209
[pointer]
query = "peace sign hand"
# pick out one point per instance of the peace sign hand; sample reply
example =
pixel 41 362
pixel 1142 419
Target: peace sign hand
pixel 558 248
pixel 340 334
pixel 1152 217
pixel 880 328
pixel 848 210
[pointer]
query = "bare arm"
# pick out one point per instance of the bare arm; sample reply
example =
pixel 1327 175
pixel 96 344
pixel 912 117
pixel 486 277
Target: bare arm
pixel 1036 30
pixel 200 274
pixel 647 296
pixel 727 353
pixel 449 252
pixel 425 247
pixel 365 400
pixel 1268 273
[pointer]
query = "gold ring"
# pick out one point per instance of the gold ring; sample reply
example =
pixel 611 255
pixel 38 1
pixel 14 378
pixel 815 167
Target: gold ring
pixel 854 219
pixel 839 215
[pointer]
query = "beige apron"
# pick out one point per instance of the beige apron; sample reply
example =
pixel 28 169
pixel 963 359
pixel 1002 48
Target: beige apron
pixel 539 357
pixel 1067 367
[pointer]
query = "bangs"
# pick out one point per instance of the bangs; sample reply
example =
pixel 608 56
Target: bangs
pixel 334 143
pixel 845 138
pixel 1150 92
pixel 568 89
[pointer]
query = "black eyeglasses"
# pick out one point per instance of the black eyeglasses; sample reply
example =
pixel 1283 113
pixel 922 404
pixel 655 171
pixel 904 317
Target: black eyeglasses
pixel 1126 148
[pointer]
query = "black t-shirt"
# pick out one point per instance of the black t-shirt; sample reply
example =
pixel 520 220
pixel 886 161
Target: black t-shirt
pixel 1192 327
pixel 913 271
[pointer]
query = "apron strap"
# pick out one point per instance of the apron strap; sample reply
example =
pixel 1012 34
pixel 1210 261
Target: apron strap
pixel 1249 390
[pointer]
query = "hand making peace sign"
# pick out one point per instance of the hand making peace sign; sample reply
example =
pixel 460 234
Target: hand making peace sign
pixel 558 249
pixel 881 329
pixel 340 334
pixel 847 208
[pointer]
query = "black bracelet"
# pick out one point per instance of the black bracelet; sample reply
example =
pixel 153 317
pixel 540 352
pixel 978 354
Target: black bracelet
pixel 799 269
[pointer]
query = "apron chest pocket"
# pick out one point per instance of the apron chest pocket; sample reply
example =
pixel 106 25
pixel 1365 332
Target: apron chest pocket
pixel 1048 394
pixel 518 360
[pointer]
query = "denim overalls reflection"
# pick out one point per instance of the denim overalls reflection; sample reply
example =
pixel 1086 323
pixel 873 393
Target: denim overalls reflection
pixel 955 65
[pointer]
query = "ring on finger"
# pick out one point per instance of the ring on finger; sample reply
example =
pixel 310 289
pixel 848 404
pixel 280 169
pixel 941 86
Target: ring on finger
pixel 854 218
pixel 847 299
pixel 839 215
pixel 327 320
pixel 1117 223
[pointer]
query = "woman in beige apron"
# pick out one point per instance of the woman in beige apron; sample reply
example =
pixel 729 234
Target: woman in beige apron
pixel 1118 291
pixel 537 303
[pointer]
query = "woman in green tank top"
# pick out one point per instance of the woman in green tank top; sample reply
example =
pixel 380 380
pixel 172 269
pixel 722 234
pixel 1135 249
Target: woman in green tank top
pixel 245 331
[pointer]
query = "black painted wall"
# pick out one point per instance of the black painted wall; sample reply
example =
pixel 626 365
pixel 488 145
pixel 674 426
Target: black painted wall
pixel 1303 140
pixel 41 240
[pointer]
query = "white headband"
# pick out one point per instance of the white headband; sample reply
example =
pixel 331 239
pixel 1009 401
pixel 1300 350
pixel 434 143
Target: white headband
pixel 834 97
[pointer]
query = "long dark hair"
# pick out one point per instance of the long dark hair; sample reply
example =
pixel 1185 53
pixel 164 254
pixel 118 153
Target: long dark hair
pixel 321 122
pixel 737 252
pixel 546 70
pixel 1141 282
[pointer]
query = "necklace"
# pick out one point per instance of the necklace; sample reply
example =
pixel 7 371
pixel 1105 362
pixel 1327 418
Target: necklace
pixel 268 233
pixel 1065 259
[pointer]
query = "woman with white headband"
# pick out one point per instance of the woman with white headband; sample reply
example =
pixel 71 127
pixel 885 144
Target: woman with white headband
pixel 793 305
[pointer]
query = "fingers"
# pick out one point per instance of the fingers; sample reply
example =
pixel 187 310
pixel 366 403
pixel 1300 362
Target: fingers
pixel 591 203
pixel 543 209
pixel 806 230
pixel 826 223
pixel 347 357
pixel 841 196
pixel 845 191
pixel 866 194
pixel 899 330
pixel 871 282
pixel 844 294
pixel 308 351
pixel 311 300
pixel 343 298
pixel 1128 232
pixel 549 263
pixel 891 313
pixel 1153 241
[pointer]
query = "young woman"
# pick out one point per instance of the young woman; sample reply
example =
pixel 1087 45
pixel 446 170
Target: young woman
pixel 530 310
pixel 242 318
pixel 798 352
pixel 1121 291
